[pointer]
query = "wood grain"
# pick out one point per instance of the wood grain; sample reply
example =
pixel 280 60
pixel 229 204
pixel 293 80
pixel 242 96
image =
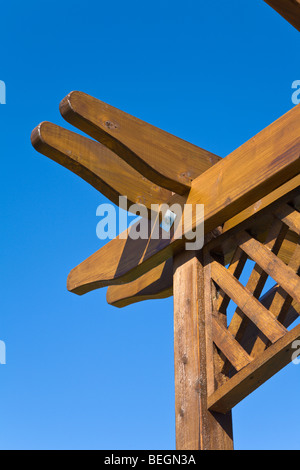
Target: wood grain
pixel 226 342
pixel 162 158
pixel 258 278
pixel 289 9
pixel 252 333
pixel 255 374
pixel 196 427
pixel 154 286
pixel 272 265
pixel 248 304
pixel 289 216
pixel 97 165
pixel 229 187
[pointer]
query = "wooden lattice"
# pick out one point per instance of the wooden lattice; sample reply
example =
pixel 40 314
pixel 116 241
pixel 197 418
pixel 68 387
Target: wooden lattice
pixel 256 343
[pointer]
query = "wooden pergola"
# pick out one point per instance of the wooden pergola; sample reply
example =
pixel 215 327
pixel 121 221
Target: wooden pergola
pixel 251 200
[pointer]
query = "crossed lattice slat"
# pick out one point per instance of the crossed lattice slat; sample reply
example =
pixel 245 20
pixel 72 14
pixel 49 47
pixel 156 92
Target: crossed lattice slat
pixel 256 344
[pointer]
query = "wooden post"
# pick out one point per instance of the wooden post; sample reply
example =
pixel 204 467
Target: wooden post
pixel 195 374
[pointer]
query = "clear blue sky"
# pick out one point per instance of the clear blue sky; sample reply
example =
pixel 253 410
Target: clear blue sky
pixel 79 373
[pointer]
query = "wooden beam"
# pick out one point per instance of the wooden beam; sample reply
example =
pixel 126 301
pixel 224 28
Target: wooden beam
pixel 162 158
pixel 261 204
pixel 255 374
pixel 230 186
pixel 97 165
pixel 153 286
pixel 196 427
pixel 156 284
pixel 289 9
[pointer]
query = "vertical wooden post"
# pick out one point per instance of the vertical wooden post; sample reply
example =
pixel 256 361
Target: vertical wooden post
pixel 196 427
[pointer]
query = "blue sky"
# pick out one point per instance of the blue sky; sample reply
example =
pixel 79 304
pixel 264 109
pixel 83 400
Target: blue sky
pixel 79 373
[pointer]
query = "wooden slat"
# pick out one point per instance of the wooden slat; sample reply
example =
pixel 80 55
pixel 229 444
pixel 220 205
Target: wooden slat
pixel 255 284
pixel 252 332
pixel 97 165
pixel 279 307
pixel 224 340
pixel 249 305
pixel 240 179
pixel 272 265
pixel 290 217
pixel 236 267
pixel 258 278
pixel 156 284
pixel 289 9
pixel 255 374
pixel 166 160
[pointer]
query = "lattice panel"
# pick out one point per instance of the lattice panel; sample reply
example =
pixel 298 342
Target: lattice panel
pixel 256 343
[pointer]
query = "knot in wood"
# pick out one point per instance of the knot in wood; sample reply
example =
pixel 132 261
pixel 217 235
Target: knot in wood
pixel 111 125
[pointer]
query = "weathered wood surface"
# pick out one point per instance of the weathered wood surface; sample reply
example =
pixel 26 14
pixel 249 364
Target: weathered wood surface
pixel 164 159
pixel 229 187
pixel 97 165
pixel 261 369
pixel 196 427
pixel 289 9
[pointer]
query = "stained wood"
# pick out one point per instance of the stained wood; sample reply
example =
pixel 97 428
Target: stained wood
pixel 196 427
pixel 162 158
pixel 255 374
pixel 272 265
pixel 234 183
pixel 258 278
pixel 161 288
pixel 290 217
pixel 289 9
pixel 156 284
pixel 236 355
pixel 249 305
pixel 262 203
pixel 236 267
pixel 97 165
pixel 279 306
pixel 252 333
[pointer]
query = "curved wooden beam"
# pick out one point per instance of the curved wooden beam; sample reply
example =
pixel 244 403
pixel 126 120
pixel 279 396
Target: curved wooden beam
pixel 166 160
pixel 156 284
pixel 248 174
pixel 97 165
